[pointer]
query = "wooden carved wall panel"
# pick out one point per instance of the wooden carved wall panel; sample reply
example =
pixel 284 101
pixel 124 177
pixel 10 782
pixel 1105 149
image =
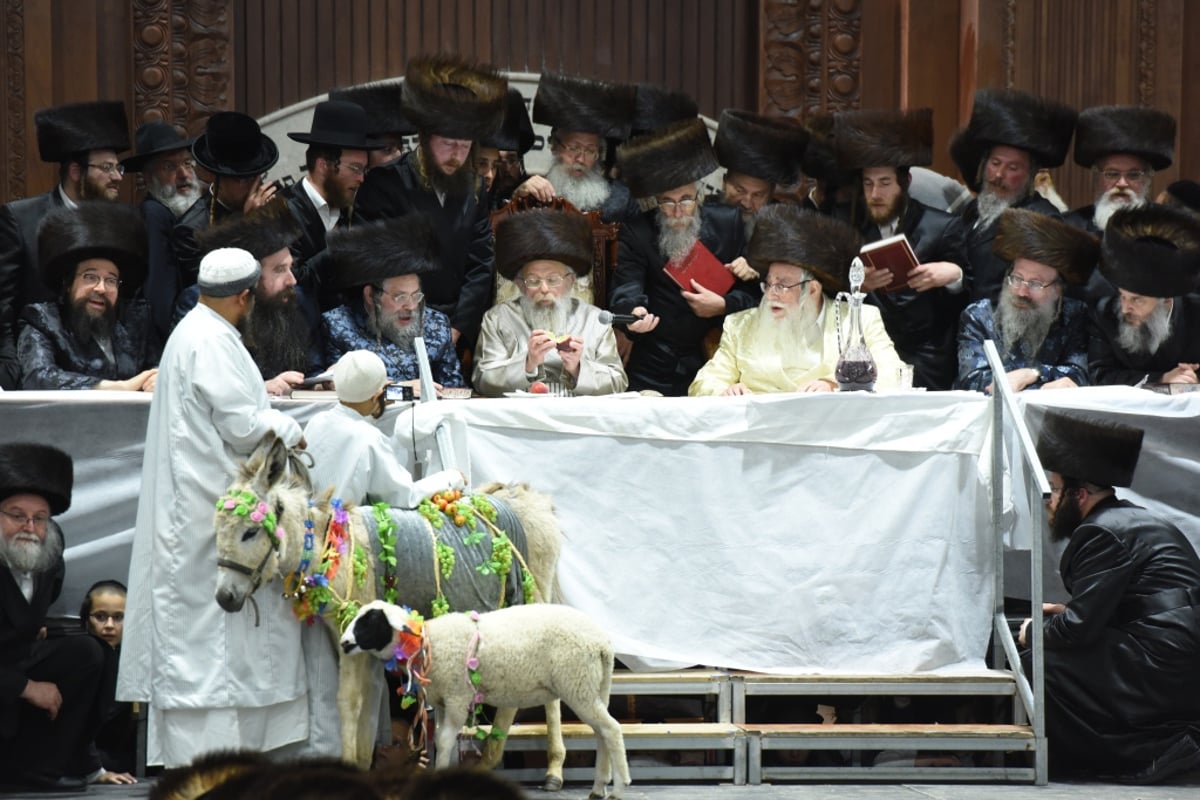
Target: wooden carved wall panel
pixel 14 87
pixel 811 56
pixel 1009 51
pixel 1147 41
pixel 151 61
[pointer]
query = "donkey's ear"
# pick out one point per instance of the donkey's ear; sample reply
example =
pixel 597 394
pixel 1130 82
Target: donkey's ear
pixel 253 466
pixel 277 461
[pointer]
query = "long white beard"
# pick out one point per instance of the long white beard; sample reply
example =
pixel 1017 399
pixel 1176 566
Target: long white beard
pixel 1150 335
pixel 1107 205
pixel 169 196
pixel 1023 330
pixel 674 242
pixel 26 553
pixel 547 318
pixel 796 337
pixel 587 192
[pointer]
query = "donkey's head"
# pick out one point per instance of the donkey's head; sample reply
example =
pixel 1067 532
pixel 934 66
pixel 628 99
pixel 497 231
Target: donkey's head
pixel 247 524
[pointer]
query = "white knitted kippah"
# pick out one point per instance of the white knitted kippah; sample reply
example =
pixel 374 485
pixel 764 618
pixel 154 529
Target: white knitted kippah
pixel 227 271
pixel 358 376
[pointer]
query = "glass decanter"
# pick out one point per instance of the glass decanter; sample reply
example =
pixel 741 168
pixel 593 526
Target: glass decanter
pixel 856 369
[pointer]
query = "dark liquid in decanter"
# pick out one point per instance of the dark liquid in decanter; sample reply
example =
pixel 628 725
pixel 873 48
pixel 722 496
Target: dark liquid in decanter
pixel 856 376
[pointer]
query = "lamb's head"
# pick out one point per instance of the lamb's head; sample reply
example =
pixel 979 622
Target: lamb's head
pixel 384 630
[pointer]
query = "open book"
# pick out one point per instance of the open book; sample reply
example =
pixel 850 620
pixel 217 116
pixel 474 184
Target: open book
pixel 893 253
pixel 701 265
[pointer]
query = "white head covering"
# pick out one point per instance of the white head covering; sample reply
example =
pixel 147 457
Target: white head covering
pixel 227 271
pixel 358 376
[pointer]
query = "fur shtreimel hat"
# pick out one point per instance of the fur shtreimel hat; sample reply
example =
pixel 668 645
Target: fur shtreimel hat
pixel 1089 449
pixel 383 103
pixel 63 131
pixel 27 468
pixel 451 97
pixel 820 160
pixel 567 103
pixel 374 252
pixel 207 772
pixel 656 108
pixel 767 148
pixel 543 234
pixel 96 229
pixel 261 232
pixel 516 134
pixel 1027 234
pixel 820 244
pixel 1144 132
pixel 866 139
pixel 660 162
pixel 1009 117
pixel 1152 251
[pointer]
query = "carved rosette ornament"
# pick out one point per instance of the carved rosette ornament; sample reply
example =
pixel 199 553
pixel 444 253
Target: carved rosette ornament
pixel 811 56
pixel 14 123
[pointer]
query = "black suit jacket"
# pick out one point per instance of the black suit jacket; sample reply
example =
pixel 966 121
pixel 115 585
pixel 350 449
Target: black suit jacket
pixel 162 274
pixel 1108 363
pixel 310 259
pixel 986 273
pixel 462 288
pixel 20 283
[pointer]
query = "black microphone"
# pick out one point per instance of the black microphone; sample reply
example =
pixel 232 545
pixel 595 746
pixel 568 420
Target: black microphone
pixel 609 318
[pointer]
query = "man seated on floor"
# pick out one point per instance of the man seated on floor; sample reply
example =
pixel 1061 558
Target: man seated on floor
pixel 1121 658
pixel 97 335
pixel 545 334
pixel 378 267
pixel 789 343
pixel 1150 330
pixel 1041 335
pixel 50 700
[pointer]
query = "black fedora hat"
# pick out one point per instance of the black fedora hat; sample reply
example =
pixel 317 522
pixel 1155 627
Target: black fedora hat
pixel 338 123
pixel 152 139
pixel 233 146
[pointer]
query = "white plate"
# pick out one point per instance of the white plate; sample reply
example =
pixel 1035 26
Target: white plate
pixel 523 393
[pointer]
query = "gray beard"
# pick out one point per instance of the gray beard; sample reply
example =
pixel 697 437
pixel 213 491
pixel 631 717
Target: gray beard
pixel 991 207
pixel 385 328
pixel 553 319
pixel 676 242
pixel 170 197
pixel 1023 330
pixel 796 338
pixel 588 192
pixel 30 556
pixel 750 225
pixel 1147 337
pixel 1106 207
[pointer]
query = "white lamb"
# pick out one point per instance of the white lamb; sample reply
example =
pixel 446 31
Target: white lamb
pixel 524 656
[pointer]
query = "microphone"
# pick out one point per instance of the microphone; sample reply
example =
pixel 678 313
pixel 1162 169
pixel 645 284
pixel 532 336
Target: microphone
pixel 609 318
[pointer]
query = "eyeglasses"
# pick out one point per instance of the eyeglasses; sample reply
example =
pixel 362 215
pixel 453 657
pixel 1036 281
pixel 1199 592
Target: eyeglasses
pixel 101 617
pixel 109 168
pixel 1130 175
pixel 687 205
pixel 401 298
pixel 781 288
pixel 20 520
pixel 575 151
pixel 174 166
pixel 356 169
pixel 1033 286
pixel 553 282
pixel 91 279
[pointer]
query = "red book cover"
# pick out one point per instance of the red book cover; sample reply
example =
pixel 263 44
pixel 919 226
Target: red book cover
pixel 893 253
pixel 703 267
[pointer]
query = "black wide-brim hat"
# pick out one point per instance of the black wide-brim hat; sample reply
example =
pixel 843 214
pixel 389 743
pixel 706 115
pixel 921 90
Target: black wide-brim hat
pixel 1153 251
pixel 1085 448
pixel 674 157
pixel 816 242
pixel 865 139
pixel 383 103
pixel 1072 253
pixel 767 148
pixel 338 123
pixel 152 139
pixel 1146 133
pixel 373 252
pixel 234 146
pixel 96 229
pixel 28 468
pixel 547 234
pixel 63 131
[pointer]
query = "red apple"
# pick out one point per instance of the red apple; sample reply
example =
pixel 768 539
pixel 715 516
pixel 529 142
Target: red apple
pixel 537 387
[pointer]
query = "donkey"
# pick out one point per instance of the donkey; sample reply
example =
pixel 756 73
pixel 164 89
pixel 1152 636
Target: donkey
pixel 268 525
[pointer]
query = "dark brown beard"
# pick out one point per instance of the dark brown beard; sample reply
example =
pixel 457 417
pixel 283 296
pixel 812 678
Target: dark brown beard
pixel 887 215
pixel 85 327
pixel 1066 518
pixel 277 335
pixel 456 185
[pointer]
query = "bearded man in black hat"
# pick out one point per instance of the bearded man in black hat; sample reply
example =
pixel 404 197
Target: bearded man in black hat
pixel 759 154
pixel 668 340
pixel 1149 331
pixel 583 116
pixel 1040 334
pixel 50 703
pixel 83 139
pixel 454 105
pixel 495 156
pixel 1010 136
pixel 235 154
pixel 1121 658
pixel 337 160
pixel 381 267
pixel 922 317
pixel 164 158
pixel 386 123
pixel 98 333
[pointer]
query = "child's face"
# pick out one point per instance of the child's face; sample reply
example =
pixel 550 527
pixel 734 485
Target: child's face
pixel 107 618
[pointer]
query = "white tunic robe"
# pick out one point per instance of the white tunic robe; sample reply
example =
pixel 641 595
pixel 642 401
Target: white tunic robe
pixel 213 680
